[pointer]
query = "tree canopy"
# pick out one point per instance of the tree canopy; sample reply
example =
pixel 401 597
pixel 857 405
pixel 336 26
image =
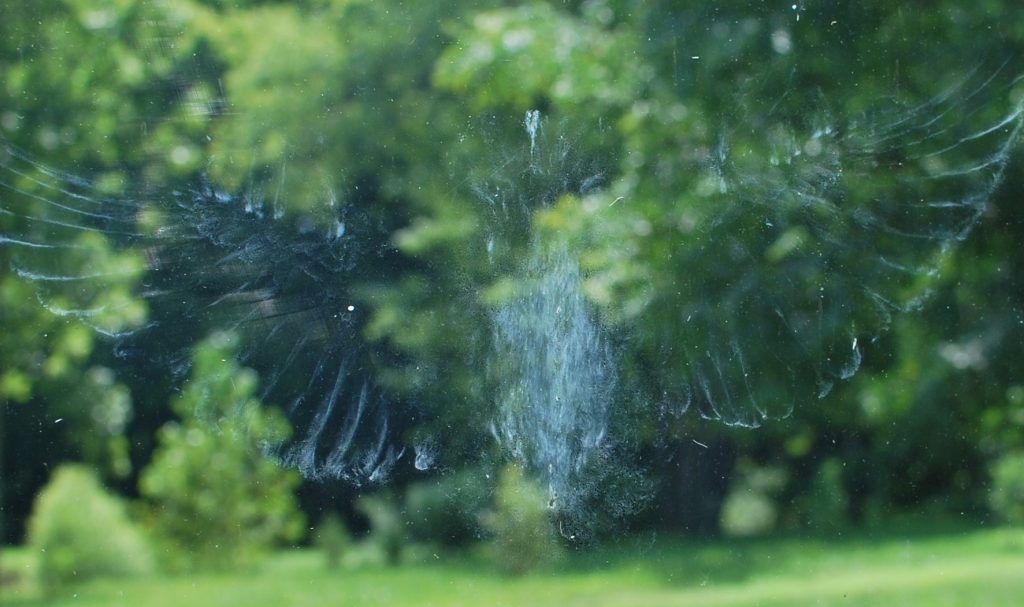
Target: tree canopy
pixel 660 249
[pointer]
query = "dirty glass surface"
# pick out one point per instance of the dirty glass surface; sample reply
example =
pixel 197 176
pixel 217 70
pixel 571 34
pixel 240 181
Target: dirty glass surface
pixel 596 270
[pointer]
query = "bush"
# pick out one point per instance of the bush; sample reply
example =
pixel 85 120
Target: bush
pixel 520 525
pixel 446 510
pixel 80 531
pixel 826 505
pixel 1007 495
pixel 387 530
pixel 333 538
pixel 750 508
pixel 747 513
pixel 216 500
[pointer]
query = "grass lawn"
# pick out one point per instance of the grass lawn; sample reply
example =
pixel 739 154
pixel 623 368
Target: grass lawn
pixel 934 570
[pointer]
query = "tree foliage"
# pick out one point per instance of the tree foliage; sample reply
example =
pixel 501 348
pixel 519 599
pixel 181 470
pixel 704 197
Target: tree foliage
pixel 216 498
pixel 82 532
pixel 680 154
pixel 523 536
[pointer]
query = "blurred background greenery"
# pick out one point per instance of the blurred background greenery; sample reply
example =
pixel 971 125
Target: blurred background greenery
pixel 112 467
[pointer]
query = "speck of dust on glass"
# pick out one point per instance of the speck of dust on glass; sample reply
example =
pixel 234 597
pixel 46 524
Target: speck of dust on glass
pixel 586 239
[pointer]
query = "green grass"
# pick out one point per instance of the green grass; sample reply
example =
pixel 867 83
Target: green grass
pixel 955 568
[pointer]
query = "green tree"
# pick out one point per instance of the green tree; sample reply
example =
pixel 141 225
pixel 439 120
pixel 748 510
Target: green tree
pixel 520 524
pixel 702 246
pixel 685 161
pixel 215 496
pixel 85 90
pixel 333 538
pixel 388 534
pixel 1007 496
pixel 81 532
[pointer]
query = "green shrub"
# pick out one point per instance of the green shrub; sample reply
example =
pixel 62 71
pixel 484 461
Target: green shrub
pixel 80 531
pixel 387 530
pixel 826 504
pixel 216 500
pixel 523 538
pixel 446 510
pixel 333 538
pixel 750 508
pixel 747 512
pixel 1007 495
